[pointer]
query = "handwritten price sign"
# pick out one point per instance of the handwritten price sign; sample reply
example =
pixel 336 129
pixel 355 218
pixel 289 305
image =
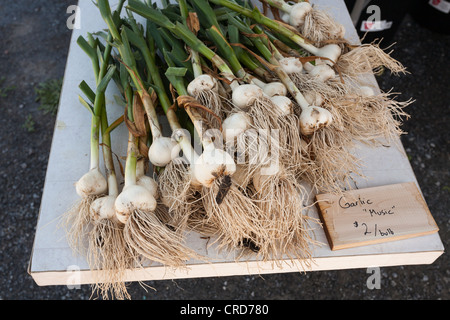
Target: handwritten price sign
pixel 374 215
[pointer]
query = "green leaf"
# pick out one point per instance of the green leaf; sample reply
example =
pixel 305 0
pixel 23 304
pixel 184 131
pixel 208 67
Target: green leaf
pixel 136 39
pixel 206 14
pixel 86 104
pixel 176 72
pixel 105 11
pixel 101 34
pixel 87 91
pixel 233 34
pixel 149 13
pixel 168 60
pixel 105 81
pixel 224 48
pixel 176 44
pixel 154 34
pixel 181 62
pixel 86 47
pixel 120 100
pixel 126 53
pixel 124 76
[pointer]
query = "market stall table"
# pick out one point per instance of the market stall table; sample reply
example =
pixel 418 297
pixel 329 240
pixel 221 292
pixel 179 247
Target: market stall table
pixel 53 262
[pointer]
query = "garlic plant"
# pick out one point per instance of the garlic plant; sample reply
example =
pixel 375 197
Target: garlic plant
pixel 269 110
pixel 314 24
pixel 359 58
pixel 106 251
pixel 135 206
pixel 229 213
pixel 92 184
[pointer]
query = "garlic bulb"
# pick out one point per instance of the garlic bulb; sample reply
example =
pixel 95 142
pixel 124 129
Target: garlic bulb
pixel 245 95
pixel 367 91
pixel 92 183
pixel 133 197
pixel 283 104
pixel 150 184
pixel 212 164
pixel 103 208
pixel 275 89
pixel 313 118
pixel 330 51
pixel 322 72
pixel 291 65
pixel 201 83
pixel 145 181
pixel 235 124
pixel 308 66
pixel 162 151
pixel 298 13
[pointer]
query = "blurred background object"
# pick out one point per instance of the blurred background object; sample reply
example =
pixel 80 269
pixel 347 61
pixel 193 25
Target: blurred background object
pixel 432 14
pixel 380 19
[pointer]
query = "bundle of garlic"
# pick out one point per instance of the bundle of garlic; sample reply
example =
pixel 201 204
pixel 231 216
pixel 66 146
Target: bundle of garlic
pixel 137 206
pixel 262 112
pixel 234 211
pixel 92 226
pixel 314 24
pixel 328 76
pixel 324 99
pixel 119 230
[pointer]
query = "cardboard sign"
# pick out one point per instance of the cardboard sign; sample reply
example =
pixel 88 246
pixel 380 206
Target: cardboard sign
pixel 375 215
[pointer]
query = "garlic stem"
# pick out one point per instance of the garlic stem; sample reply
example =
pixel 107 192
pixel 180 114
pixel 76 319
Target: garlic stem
pixel 258 17
pixel 123 46
pixel 131 162
pixel 196 63
pixel 152 116
pixel 271 89
pixel 182 31
pixel 95 127
pixel 97 184
pixel 281 5
pixel 195 56
pixel 285 79
pixel 312 117
pixel 113 189
pixel 296 13
pixel 181 136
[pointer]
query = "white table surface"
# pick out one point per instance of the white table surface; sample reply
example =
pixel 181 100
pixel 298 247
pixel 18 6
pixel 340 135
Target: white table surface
pixel 52 260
